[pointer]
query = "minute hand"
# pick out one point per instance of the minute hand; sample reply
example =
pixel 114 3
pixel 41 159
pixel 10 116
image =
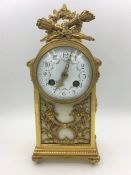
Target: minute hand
pixel 67 65
pixel 64 74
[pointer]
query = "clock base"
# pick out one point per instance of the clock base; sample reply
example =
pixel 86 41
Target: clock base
pixel 81 151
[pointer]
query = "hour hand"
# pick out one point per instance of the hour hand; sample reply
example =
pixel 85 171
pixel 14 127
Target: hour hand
pixel 60 82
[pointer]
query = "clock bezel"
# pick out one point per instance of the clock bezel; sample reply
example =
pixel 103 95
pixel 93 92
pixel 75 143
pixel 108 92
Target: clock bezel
pixel 68 43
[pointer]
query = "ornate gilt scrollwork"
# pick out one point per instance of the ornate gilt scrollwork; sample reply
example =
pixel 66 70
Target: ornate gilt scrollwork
pixel 80 126
pixel 70 28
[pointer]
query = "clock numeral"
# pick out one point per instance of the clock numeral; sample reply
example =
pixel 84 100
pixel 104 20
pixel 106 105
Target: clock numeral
pixel 63 93
pixel 54 90
pixel 45 73
pixel 55 57
pixel 82 66
pixel 46 84
pixel 65 55
pixel 84 76
pixel 75 58
pixel 47 64
pixel 73 91
pixel 80 85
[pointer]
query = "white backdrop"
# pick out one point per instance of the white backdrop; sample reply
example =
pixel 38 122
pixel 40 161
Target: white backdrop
pixel 19 42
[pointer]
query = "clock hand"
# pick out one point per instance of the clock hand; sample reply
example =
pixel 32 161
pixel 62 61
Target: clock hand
pixel 64 74
pixel 67 65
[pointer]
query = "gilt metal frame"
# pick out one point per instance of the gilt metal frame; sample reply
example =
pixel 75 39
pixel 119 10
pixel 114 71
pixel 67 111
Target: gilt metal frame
pixel 65 34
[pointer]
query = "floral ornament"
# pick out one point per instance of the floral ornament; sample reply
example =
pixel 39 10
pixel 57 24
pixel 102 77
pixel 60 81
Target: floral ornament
pixel 80 126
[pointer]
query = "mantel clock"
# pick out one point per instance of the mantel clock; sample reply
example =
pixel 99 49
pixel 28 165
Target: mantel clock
pixel 64 75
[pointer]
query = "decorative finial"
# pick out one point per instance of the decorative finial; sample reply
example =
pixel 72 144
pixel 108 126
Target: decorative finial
pixel 70 28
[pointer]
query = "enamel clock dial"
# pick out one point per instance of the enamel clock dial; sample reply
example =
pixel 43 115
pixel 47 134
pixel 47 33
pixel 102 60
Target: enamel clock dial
pixel 64 73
